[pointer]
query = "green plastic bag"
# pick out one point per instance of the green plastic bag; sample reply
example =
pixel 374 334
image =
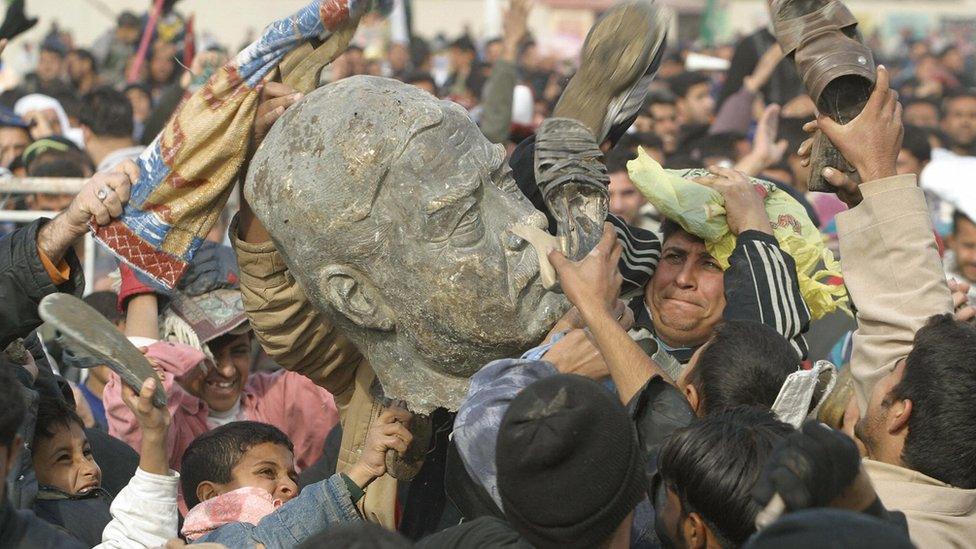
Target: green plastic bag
pixel 700 210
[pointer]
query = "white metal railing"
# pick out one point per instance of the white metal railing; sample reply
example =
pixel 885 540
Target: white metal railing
pixel 48 185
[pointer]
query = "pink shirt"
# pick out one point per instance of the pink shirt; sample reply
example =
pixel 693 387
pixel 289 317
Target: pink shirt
pixel 289 401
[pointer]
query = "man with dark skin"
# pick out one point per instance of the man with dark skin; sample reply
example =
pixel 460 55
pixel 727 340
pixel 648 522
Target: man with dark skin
pixel 959 122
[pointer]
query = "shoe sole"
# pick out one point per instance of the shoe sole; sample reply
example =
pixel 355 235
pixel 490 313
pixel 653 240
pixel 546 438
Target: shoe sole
pixel 84 330
pixel 614 62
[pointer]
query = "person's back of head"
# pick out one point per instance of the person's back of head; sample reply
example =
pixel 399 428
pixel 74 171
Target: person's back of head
pixel 709 469
pixel 107 113
pixel 744 363
pixel 569 468
pixel 940 380
pixel 212 456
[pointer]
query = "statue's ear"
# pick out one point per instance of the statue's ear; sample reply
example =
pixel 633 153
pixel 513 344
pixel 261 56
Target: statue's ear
pixel 355 296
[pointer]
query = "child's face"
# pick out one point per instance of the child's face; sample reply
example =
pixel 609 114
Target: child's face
pixel 269 466
pixel 65 461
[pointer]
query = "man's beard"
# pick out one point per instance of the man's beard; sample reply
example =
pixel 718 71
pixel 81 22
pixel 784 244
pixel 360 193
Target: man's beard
pixel 865 430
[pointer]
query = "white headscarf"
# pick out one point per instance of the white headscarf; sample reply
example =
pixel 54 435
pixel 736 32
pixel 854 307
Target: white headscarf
pixel 41 102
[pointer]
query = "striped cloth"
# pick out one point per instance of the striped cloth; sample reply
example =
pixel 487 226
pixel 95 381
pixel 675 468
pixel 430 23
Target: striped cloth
pixel 189 170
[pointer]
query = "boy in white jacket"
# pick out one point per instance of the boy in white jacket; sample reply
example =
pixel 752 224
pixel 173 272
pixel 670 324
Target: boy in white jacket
pixel 144 513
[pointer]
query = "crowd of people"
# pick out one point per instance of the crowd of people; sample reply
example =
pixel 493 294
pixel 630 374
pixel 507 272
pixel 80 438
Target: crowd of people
pixel 683 400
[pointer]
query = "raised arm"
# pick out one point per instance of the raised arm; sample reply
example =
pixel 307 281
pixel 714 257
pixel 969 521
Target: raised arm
pixel 888 252
pixel 593 285
pixel 761 283
pixel 496 100
pixel 289 327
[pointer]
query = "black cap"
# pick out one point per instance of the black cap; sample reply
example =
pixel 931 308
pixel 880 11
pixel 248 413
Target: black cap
pixel 569 465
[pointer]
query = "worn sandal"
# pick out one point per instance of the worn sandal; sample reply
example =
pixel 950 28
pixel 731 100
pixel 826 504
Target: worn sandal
pixel 84 331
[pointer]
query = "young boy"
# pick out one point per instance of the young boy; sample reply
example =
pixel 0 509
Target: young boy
pixel 239 481
pixel 69 481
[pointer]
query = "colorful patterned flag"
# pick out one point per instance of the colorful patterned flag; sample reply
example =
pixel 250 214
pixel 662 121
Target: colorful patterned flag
pixel 189 170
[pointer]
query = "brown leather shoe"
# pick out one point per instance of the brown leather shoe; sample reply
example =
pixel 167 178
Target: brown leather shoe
pixel 836 67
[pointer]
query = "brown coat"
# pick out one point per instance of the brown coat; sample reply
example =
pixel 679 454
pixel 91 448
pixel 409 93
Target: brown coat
pixel 894 275
pixel 300 339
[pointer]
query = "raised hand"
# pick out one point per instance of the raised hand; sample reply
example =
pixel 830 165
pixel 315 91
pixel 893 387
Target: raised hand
pixel 275 98
pixel 847 190
pixel 872 140
pixel 744 207
pixel 766 149
pixel 593 283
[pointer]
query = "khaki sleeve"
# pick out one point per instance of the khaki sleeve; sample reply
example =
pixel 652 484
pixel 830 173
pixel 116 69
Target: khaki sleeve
pixel 291 330
pixel 894 275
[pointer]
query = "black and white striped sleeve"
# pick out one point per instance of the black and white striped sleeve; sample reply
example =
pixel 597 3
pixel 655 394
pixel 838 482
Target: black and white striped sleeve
pixel 761 285
pixel 641 252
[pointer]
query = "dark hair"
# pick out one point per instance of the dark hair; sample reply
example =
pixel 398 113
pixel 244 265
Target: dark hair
pixel 59 164
pixel 957 94
pixel 50 46
pixel 631 141
pixel 745 362
pixel 12 406
pixel 959 216
pixel 669 228
pixel 717 144
pixel 682 83
pixel 419 76
pixel 213 455
pixel 127 19
pixel 658 97
pixel 463 43
pixel 713 464
pixel 916 141
pixel 107 113
pixel 923 101
pixel 106 303
pixel 940 380
pixel 87 56
pixel 140 87
pixel 52 413
pixel 617 159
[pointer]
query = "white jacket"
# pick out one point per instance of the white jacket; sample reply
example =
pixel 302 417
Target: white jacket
pixel 144 514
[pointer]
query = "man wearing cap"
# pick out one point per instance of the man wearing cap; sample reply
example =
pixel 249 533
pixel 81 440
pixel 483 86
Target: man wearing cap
pixel 570 471
pixel 14 137
pixel 207 374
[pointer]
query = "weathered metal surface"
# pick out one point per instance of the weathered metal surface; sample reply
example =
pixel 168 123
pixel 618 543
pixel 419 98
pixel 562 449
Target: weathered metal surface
pixel 394 214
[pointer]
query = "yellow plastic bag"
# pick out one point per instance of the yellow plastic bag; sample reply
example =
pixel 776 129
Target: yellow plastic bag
pixel 700 210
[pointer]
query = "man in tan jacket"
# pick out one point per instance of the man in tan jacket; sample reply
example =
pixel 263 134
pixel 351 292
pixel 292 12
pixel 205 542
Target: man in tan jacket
pixel 912 363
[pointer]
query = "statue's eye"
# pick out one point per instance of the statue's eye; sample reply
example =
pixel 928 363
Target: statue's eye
pixel 470 228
